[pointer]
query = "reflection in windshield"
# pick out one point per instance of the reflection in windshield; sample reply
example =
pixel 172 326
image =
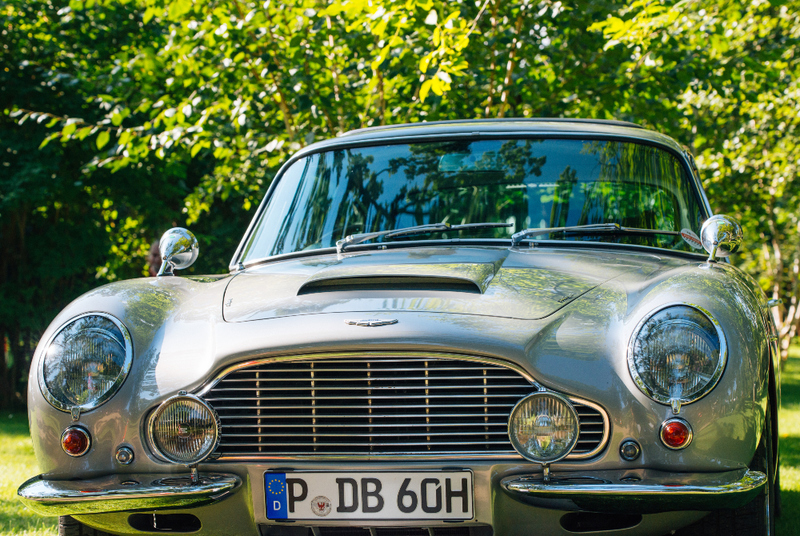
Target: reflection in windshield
pixel 524 182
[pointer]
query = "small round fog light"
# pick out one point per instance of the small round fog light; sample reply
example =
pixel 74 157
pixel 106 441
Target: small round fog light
pixel 543 427
pixel 676 434
pixel 76 441
pixel 184 429
pixel 629 450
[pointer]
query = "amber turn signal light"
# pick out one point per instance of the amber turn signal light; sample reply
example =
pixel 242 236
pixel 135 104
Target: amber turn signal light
pixel 676 434
pixel 76 441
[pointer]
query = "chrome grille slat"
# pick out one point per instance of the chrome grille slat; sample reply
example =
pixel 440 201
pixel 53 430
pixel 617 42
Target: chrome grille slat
pixel 403 444
pixel 329 406
pixel 345 397
pixel 378 387
pixel 370 415
pixel 354 425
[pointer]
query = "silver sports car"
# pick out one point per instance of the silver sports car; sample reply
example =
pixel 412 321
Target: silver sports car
pixel 469 328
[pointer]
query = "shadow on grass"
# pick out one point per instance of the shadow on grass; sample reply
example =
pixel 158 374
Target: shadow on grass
pixel 789 522
pixel 790 451
pixel 790 392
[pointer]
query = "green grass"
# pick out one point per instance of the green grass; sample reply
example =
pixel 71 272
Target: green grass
pixel 789 427
pixel 17 464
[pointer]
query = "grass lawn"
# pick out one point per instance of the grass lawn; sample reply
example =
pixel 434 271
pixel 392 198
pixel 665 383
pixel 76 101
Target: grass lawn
pixel 18 464
pixel 789 426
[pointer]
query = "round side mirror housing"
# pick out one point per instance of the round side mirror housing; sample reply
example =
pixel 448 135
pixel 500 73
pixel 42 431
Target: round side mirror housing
pixel 721 235
pixel 178 249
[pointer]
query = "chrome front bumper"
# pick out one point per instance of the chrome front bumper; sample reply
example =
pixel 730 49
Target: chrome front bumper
pixel 637 492
pixel 116 493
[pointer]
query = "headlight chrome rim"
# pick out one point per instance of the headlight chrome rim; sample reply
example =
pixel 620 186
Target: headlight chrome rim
pixel 539 394
pixel 116 385
pixel 151 421
pixel 715 377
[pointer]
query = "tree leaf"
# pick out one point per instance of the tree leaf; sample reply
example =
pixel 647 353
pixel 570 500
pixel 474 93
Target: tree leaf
pixel 102 139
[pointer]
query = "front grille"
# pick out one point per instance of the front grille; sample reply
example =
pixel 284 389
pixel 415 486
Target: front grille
pixel 376 406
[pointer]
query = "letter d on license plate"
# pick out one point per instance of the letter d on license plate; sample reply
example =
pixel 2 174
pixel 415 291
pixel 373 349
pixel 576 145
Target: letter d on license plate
pixel 396 495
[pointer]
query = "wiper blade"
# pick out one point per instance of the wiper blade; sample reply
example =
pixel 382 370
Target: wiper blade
pixel 352 240
pixel 595 228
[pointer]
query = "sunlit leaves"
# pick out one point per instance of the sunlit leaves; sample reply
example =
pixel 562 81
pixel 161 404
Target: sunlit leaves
pixel 734 78
pixel 240 85
pixel 102 139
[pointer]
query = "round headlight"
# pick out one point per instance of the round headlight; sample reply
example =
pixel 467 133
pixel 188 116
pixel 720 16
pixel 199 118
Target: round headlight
pixel 543 427
pixel 677 355
pixel 86 362
pixel 184 429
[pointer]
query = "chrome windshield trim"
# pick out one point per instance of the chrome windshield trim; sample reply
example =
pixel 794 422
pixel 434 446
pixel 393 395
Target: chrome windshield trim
pixel 118 493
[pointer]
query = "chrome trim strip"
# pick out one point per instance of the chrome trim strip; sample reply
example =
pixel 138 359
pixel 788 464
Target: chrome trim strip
pixel 117 493
pixel 606 429
pixel 644 491
pixel 359 357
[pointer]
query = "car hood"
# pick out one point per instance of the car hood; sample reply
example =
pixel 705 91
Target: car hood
pixel 526 284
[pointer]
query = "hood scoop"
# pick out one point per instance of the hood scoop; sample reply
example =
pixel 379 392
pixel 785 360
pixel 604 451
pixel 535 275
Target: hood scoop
pixel 388 283
pixel 530 284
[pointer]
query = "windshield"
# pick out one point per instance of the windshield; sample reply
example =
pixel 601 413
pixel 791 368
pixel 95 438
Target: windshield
pixel 527 183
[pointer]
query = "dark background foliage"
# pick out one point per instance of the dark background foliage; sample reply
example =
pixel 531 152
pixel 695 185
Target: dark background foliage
pixel 124 118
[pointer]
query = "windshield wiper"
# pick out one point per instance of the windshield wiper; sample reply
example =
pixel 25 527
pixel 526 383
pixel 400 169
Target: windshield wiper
pixel 352 240
pixel 595 228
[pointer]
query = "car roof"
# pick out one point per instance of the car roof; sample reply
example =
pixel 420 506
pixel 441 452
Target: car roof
pixel 522 127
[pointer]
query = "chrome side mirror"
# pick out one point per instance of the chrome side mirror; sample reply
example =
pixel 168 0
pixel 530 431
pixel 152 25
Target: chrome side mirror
pixel 178 249
pixel 721 235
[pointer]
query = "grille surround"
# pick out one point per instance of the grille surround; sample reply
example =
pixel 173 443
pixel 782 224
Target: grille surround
pixel 246 408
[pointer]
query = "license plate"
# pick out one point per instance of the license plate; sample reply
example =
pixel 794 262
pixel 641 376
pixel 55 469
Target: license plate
pixel 400 495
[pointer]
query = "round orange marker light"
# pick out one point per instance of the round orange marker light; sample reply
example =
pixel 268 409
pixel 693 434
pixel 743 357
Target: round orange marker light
pixel 76 441
pixel 676 434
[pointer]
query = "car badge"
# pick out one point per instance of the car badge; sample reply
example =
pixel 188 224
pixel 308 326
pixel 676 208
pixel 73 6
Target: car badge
pixel 371 323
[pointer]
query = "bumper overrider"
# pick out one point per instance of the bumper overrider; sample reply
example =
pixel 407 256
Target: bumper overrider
pixel 117 493
pixel 639 492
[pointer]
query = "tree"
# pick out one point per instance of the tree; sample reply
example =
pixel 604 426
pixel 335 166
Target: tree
pixel 731 70
pixel 162 109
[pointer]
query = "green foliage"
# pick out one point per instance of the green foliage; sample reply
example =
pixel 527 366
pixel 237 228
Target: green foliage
pixel 730 70
pixel 125 117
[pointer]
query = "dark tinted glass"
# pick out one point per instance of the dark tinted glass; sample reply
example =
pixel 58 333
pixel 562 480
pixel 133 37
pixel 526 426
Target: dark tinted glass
pixel 527 183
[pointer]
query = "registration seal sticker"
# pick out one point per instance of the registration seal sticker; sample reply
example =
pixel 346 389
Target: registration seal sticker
pixel 321 506
pixel 692 239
